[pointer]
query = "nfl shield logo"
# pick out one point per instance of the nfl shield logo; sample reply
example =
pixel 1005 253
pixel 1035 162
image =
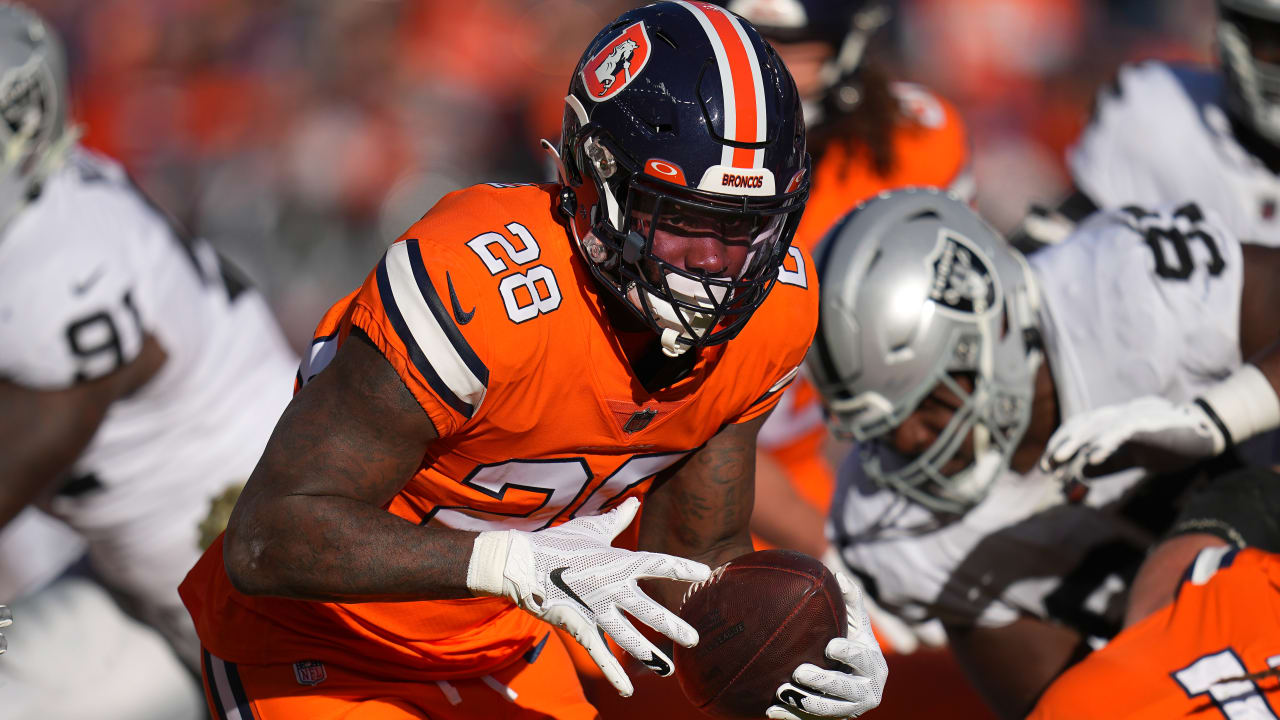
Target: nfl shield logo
pixel 309 672
pixel 617 64
pixel 639 420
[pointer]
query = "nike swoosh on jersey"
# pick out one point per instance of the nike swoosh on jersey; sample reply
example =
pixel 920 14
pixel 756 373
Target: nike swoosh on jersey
pixel 462 317
pixel 558 581
pixel 82 287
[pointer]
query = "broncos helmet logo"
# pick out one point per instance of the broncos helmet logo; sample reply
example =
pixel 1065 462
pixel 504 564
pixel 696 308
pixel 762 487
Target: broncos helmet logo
pixel 617 64
pixel 608 71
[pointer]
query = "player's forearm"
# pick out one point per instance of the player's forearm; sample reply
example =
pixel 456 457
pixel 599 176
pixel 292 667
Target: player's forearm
pixel 338 549
pixel 41 434
pixel 704 510
pixel 781 517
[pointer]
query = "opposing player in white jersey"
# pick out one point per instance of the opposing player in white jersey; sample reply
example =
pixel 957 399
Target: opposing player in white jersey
pixel 1165 134
pixel 952 361
pixel 139 379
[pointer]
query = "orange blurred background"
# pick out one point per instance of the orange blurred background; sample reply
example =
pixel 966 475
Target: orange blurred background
pixel 301 137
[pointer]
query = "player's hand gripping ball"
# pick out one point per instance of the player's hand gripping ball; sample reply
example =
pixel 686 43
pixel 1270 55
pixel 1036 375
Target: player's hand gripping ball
pixel 758 618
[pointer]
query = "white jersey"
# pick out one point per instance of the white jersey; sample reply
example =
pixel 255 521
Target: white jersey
pixel 1160 136
pixel 86 272
pixel 1129 309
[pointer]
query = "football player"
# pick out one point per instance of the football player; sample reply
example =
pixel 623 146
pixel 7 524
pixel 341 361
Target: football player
pixel 1161 134
pixel 524 368
pixel 1201 636
pixel 138 379
pixel 951 360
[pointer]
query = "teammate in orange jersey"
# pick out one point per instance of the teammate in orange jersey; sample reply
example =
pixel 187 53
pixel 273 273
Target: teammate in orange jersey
pixel 1202 636
pixel 477 423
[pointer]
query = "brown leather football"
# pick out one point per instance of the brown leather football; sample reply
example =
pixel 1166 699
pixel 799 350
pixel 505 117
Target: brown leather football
pixel 758 618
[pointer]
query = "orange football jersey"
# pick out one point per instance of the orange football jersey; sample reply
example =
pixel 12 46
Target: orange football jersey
pixel 1205 656
pixel 495 324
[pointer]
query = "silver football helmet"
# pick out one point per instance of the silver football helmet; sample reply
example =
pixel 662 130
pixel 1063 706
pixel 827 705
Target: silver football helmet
pixel 1249 50
pixel 915 289
pixel 34 136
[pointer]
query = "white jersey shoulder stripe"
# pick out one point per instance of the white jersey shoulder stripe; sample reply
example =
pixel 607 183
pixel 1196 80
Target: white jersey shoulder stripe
pixel 436 346
pixel 726 34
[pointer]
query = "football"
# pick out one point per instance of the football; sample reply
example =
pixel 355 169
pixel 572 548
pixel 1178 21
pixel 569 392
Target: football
pixel 758 618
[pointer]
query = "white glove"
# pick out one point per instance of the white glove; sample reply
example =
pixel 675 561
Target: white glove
pixel 1181 430
pixel 902 636
pixel 571 577
pixel 1234 410
pixel 6 619
pixel 821 693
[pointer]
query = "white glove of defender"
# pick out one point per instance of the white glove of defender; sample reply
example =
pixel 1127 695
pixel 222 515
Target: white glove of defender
pixel 901 636
pixel 1182 430
pixel 571 577
pixel 1234 410
pixel 6 619
pixel 820 693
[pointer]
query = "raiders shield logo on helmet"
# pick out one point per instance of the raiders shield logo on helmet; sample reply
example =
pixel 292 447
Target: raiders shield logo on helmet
pixel 617 64
pixel 962 278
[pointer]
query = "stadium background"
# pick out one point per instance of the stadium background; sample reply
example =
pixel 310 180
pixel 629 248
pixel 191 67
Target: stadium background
pixel 301 136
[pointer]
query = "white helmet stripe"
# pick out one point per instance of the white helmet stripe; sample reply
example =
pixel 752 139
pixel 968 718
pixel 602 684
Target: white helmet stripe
pixel 757 82
pixel 743 87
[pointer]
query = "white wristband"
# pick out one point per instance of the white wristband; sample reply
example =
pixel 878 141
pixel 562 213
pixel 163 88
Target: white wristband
pixel 486 570
pixel 1245 403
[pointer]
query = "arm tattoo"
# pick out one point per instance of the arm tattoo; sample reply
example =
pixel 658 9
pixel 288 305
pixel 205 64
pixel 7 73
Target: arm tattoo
pixel 703 510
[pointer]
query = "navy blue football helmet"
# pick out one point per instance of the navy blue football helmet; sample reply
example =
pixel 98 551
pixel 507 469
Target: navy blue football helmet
pixel 845 25
pixel 681 118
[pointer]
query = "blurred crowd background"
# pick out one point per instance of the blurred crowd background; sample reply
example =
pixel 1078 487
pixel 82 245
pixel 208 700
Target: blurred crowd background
pixel 302 136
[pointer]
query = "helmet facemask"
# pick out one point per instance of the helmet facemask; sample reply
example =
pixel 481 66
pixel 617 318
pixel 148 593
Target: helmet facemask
pixel 688 308
pixel 992 414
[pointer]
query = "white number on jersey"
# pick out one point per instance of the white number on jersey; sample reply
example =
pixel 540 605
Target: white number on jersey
pixel 795 277
pixel 1222 677
pixel 527 294
pixel 98 343
pixel 1170 238
pixel 561 481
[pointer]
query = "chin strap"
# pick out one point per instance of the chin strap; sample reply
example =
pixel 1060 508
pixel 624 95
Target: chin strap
pixel 671 345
